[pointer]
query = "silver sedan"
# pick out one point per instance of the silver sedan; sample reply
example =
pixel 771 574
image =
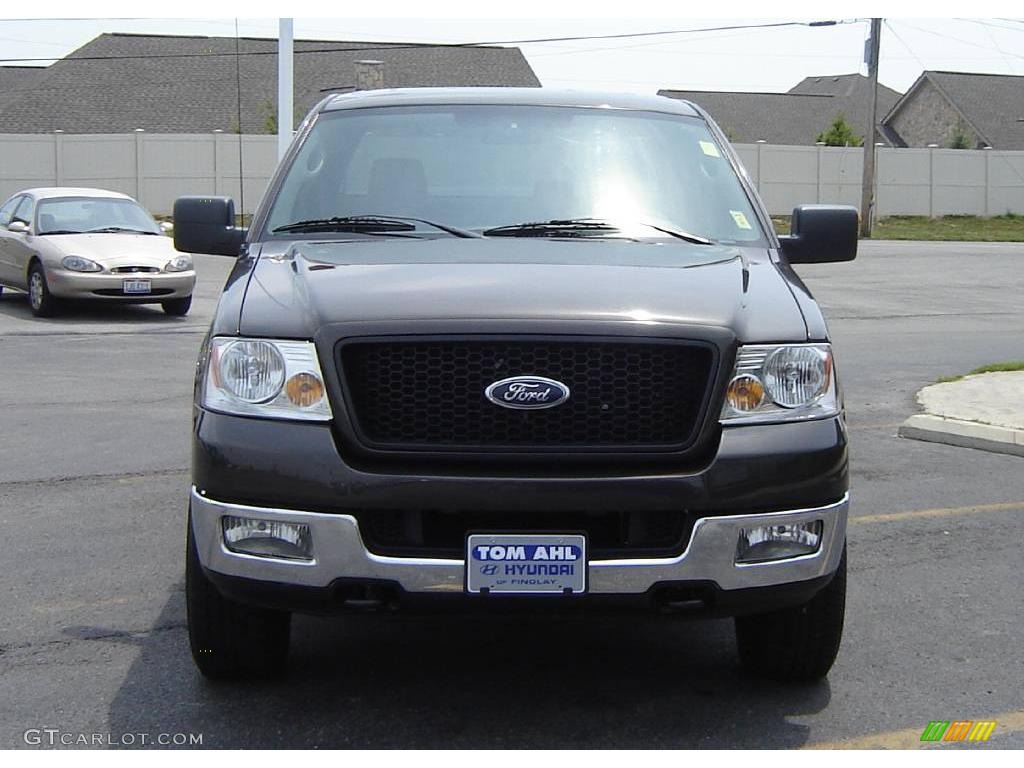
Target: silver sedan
pixel 66 243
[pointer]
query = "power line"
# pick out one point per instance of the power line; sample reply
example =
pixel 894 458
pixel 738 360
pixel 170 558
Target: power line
pixel 955 39
pixel 403 46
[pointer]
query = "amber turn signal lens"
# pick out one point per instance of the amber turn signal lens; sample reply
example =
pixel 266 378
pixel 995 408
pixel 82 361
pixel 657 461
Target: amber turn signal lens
pixel 304 389
pixel 745 393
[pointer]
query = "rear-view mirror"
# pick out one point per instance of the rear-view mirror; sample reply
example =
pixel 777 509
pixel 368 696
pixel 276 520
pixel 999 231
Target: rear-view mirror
pixel 207 225
pixel 821 233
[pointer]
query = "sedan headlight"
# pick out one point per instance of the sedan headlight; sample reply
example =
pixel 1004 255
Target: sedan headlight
pixel 181 263
pixel 791 382
pixel 268 378
pixel 79 264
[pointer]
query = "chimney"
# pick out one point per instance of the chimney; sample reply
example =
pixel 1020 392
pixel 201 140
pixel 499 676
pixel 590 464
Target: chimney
pixel 369 75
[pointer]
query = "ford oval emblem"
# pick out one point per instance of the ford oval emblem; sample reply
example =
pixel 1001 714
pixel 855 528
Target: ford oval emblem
pixel 527 393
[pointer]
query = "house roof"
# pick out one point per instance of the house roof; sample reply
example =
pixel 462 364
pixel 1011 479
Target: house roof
pixel 778 118
pixel 13 80
pixel 794 117
pixel 188 84
pixel 992 105
pixel 854 87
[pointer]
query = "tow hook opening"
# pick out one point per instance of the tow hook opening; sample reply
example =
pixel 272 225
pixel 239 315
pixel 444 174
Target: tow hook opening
pixel 366 597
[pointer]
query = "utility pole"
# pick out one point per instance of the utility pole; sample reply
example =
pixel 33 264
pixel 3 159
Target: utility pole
pixel 867 195
pixel 285 62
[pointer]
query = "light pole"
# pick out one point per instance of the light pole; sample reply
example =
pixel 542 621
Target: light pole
pixel 285 71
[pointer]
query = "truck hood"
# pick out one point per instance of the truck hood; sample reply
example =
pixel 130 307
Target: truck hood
pixel 296 288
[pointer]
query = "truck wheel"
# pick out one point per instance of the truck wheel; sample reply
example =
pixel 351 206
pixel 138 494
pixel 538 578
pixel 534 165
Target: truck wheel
pixel 797 644
pixel 229 639
pixel 177 307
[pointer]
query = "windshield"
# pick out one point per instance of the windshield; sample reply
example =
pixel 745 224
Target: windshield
pixel 87 214
pixel 481 167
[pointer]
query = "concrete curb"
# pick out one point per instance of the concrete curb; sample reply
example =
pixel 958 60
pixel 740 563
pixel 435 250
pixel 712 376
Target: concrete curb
pixel 967 434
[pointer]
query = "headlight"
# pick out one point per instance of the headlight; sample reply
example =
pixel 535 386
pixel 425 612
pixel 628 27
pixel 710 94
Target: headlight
pixel 181 263
pixel 78 264
pixel 792 382
pixel 268 378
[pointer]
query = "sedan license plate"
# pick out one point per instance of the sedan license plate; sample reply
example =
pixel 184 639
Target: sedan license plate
pixel 526 563
pixel 136 286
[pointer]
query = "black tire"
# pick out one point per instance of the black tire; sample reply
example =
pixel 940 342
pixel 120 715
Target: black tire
pixel 797 644
pixel 230 640
pixel 40 300
pixel 177 307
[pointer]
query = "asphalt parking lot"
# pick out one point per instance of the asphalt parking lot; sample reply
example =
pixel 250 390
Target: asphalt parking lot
pixel 94 423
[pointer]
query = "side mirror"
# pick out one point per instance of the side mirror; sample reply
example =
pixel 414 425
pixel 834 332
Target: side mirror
pixel 207 225
pixel 821 233
pixel 17 226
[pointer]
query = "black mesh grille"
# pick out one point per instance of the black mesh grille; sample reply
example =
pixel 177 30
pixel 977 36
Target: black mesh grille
pixel 442 533
pixel 625 394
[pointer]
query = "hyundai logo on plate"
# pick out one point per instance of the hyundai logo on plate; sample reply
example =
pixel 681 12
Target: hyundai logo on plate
pixel 527 393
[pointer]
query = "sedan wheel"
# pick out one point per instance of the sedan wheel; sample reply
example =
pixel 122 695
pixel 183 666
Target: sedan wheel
pixel 40 300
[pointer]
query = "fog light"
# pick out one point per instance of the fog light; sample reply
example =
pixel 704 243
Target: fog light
pixel 778 542
pixel 267 538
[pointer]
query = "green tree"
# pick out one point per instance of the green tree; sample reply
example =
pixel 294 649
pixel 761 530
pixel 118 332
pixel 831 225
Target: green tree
pixel 960 137
pixel 269 111
pixel 269 116
pixel 840 134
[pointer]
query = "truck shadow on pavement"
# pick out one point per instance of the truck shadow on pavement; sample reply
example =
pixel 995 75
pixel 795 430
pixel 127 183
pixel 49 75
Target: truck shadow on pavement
pixel 413 681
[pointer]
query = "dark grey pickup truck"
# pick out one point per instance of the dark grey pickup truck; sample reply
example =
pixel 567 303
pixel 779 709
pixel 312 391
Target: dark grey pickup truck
pixel 516 349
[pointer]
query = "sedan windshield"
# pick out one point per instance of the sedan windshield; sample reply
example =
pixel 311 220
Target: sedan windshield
pixel 522 171
pixel 72 215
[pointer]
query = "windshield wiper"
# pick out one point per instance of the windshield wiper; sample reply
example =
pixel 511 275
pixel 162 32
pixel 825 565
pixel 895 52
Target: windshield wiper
pixel 688 237
pixel 118 229
pixel 62 232
pixel 371 225
pixel 581 228
pixel 552 228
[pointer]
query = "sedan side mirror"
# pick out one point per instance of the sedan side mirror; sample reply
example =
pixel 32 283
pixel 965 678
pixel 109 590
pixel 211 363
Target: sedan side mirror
pixel 17 226
pixel 821 233
pixel 207 225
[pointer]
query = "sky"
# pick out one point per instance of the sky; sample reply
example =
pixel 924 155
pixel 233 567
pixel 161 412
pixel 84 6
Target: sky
pixel 748 59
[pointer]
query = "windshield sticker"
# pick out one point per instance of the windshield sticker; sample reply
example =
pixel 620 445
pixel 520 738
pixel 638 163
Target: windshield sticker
pixel 740 219
pixel 709 148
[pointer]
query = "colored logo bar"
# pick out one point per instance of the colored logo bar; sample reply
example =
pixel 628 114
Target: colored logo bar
pixel 958 730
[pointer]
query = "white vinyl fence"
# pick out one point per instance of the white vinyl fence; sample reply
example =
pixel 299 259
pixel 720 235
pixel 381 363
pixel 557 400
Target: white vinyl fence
pixel 157 168
pixel 153 168
pixel 910 182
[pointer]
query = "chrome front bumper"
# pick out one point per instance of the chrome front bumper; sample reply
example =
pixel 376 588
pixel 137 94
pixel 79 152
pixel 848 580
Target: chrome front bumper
pixel 83 285
pixel 339 552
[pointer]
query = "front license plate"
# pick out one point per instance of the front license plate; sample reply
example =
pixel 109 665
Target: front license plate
pixel 136 286
pixel 526 563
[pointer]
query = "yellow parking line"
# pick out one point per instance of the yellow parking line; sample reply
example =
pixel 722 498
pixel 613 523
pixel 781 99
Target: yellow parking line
pixel 914 514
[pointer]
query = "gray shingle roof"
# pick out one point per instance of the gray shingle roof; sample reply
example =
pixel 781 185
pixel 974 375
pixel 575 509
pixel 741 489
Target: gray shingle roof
pixel 794 117
pixel 182 84
pixel 778 118
pixel 992 104
pixel 855 87
pixel 13 80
